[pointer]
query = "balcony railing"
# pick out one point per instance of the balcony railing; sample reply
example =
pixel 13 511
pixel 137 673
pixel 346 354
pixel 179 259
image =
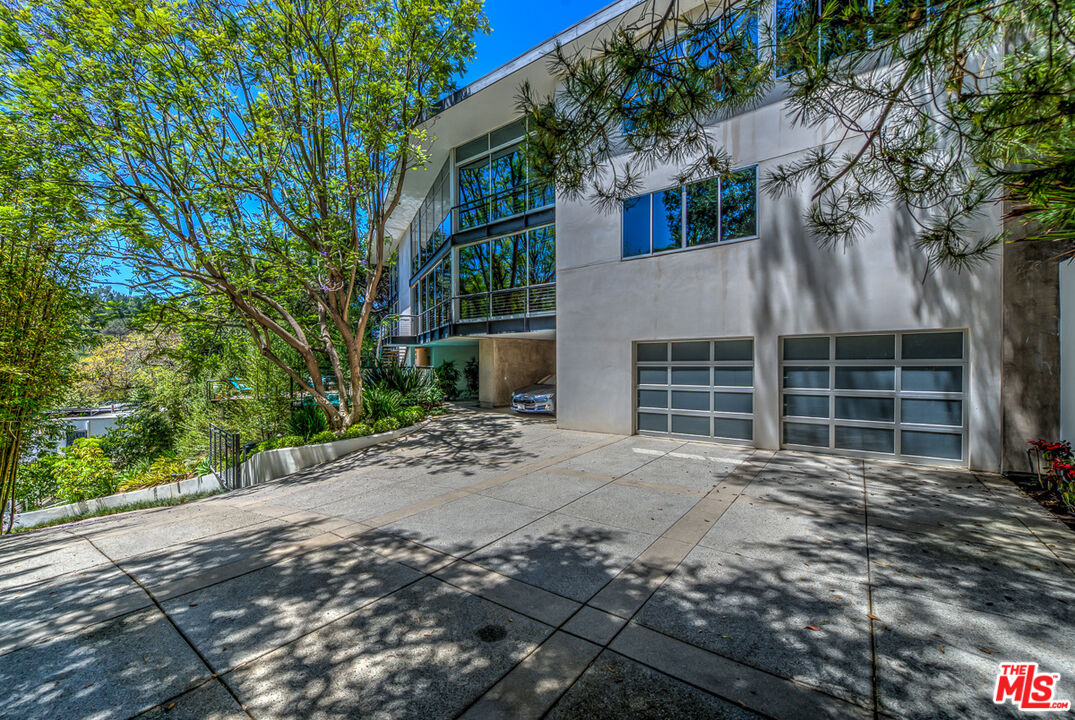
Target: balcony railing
pixel 527 301
pixel 516 302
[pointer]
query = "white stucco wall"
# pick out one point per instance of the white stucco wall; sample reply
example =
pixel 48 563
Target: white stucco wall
pixel 1067 350
pixel 779 284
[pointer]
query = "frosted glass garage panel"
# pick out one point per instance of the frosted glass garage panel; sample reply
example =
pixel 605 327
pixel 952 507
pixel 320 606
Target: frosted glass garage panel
pixel 696 387
pixel 653 422
pixel 932 445
pixel 806 434
pixel 946 379
pixel 690 424
pixel 894 394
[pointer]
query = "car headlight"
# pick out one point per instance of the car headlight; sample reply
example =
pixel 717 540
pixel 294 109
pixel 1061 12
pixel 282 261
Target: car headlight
pixel 541 398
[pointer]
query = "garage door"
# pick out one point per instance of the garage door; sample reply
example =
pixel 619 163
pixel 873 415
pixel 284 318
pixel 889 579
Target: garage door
pixel 696 388
pixel 893 394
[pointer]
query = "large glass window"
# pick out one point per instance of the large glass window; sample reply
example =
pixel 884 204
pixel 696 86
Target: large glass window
pixel 495 180
pixel 431 225
pixel 701 213
pixel 433 294
pixel 508 276
pixel 800 38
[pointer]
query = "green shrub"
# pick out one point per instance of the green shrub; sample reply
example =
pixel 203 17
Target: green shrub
pixel 384 425
pixel 290 441
pixel 161 471
pixel 325 436
pixel 448 379
pixel 470 370
pixel 359 430
pixel 36 484
pixel 268 445
pixel 381 403
pixel 145 434
pixel 404 379
pixel 428 397
pixel 307 421
pixel 411 415
pixel 84 472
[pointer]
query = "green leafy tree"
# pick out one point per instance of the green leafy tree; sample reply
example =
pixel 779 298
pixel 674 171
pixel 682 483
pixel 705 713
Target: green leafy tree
pixel 254 151
pixel 941 109
pixel 46 245
pixel 84 472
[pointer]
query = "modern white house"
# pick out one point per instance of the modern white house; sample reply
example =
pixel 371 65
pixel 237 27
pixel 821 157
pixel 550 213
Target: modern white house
pixel 724 321
pixel 89 422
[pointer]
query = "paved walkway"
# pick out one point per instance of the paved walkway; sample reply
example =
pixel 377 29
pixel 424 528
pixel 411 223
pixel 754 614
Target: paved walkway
pixel 495 567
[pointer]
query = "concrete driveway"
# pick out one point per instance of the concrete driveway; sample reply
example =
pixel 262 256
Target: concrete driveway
pixel 495 567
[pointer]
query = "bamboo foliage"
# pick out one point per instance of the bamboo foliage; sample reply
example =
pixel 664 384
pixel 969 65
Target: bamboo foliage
pixel 45 261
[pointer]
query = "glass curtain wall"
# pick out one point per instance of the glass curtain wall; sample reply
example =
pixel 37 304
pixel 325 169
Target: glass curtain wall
pixel 433 296
pixel 495 180
pixel 432 225
pixel 508 276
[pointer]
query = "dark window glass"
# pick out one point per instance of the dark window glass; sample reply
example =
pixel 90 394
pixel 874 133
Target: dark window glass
pixel 474 281
pixel 866 408
pixel 653 422
pixel 652 398
pixel 806 434
pixel 866 347
pixel 733 350
pixel 867 439
pixel 511 131
pixel 683 400
pixel 472 148
pixel 933 346
pixel 932 412
pixel 932 379
pixel 806 348
pixel 806 377
pixel 806 405
pixel 796 37
pixel 733 428
pixel 690 351
pixel 667 220
pixel 542 250
pixel 509 262
pixel 733 376
pixel 474 194
pixel 703 212
pixel 652 352
pixel 690 424
pixel 508 184
pixel 844 30
pixel 733 402
pixel 652 376
pixel 927 444
pixel 738 205
pixel 865 378
pixel 636 227
pixel 690 376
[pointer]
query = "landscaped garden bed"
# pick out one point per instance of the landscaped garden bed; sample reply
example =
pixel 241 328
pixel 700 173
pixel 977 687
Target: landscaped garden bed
pixel 1052 482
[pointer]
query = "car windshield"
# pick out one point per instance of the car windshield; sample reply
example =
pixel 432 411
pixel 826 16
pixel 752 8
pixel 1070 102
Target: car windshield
pixel 547 380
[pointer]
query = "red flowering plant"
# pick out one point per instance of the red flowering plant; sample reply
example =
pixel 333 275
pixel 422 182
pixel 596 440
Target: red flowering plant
pixel 1047 453
pixel 1063 473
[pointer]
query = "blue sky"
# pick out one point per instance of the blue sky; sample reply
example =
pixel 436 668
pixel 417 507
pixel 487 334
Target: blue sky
pixel 517 27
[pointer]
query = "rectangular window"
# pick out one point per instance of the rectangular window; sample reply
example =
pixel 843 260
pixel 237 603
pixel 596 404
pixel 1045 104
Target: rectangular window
pixel 636 227
pixel 701 213
pixel 495 180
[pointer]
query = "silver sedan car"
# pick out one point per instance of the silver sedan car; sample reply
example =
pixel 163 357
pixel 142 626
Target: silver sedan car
pixel 537 398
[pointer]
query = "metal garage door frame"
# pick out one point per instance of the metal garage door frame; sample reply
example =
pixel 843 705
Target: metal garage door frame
pixel 898 395
pixel 712 389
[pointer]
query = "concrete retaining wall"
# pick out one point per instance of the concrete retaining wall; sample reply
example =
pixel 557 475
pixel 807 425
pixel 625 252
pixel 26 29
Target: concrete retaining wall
pixel 272 464
pixel 263 467
pixel 190 486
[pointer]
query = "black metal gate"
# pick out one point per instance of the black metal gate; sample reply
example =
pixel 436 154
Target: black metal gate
pixel 225 461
